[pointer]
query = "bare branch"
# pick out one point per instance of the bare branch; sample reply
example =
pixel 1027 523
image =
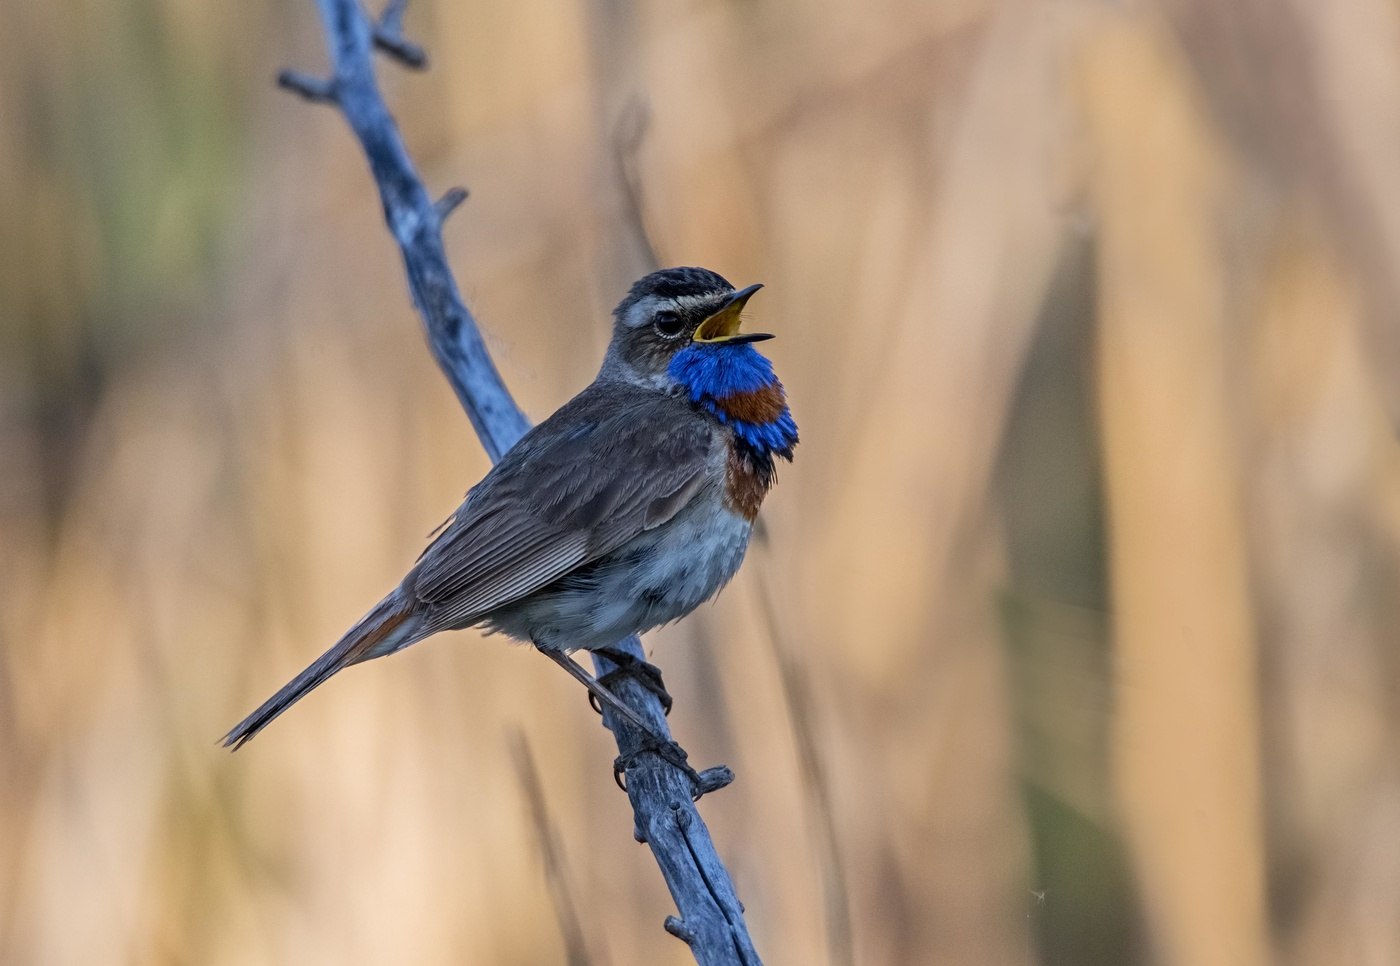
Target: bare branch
pixel 678 929
pixel 389 38
pixel 406 52
pixel 711 918
pixel 449 201
pixel 314 89
pixel 391 20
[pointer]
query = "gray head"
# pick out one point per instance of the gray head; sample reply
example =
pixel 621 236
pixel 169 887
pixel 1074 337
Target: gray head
pixel 667 311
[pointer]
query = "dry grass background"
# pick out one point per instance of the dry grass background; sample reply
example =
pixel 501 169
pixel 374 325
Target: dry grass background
pixel 1085 577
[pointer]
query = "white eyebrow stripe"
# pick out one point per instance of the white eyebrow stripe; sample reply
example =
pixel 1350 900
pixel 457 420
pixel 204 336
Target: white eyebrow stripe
pixel 643 311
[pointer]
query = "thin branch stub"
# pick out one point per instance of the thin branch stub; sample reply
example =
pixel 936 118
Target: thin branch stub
pixel 405 52
pixel 713 779
pixel 389 38
pixel 391 20
pixel 318 90
pixel 680 930
pixel 449 201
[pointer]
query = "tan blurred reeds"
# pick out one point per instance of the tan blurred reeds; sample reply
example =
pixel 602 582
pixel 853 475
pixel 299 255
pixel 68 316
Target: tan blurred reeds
pixel 1086 571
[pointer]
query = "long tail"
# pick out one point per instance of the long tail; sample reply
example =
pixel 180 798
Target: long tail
pixel 391 625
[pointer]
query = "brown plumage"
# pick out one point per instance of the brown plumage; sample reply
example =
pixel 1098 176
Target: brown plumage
pixel 757 406
pixel 623 510
pixel 746 483
pixel 578 486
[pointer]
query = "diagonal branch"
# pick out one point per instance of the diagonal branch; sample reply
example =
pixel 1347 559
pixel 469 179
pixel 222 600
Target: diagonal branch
pixel 711 918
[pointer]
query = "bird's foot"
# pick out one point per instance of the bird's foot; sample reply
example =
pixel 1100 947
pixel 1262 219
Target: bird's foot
pixel 701 782
pixel 711 779
pixel 645 673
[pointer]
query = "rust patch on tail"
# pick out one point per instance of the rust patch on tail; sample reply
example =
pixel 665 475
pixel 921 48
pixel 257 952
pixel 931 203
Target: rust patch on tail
pixel 360 650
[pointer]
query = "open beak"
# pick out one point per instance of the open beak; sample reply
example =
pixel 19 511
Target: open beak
pixel 723 326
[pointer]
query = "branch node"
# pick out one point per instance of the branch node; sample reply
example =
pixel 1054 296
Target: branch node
pixel 318 90
pixel 405 52
pixel 680 930
pixel 449 201
pixel 681 816
pixel 391 20
pixel 389 38
pixel 713 779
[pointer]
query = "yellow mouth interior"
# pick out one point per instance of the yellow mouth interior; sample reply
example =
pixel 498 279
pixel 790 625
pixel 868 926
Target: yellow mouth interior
pixel 722 325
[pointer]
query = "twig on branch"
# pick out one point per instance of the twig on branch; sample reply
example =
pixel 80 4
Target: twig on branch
pixel 391 20
pixel 389 38
pixel 449 201
pixel 314 89
pixel 408 54
pixel 711 918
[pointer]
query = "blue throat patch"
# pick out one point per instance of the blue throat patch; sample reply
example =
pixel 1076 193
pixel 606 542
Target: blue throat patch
pixel 714 373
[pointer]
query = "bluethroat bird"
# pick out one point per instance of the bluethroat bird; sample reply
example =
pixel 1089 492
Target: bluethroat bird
pixel 623 511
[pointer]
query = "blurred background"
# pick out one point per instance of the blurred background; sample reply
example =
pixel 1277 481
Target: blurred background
pixel 1073 636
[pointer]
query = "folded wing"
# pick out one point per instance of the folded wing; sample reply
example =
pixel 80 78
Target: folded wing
pixel 611 464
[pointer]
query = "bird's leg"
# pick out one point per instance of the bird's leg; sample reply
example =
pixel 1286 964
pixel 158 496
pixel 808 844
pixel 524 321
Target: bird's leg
pixel 669 750
pixel 645 673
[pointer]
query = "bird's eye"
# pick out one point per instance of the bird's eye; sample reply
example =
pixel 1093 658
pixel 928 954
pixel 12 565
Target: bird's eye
pixel 667 323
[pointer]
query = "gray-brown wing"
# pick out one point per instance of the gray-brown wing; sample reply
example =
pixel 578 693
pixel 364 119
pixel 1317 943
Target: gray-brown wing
pixel 607 466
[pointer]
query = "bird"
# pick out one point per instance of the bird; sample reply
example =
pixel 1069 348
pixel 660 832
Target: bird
pixel 625 510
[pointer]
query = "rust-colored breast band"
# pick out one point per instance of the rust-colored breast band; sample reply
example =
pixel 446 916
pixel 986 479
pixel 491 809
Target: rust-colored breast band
pixel 758 407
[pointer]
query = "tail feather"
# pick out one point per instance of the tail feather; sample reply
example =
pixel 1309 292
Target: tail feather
pixel 390 626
